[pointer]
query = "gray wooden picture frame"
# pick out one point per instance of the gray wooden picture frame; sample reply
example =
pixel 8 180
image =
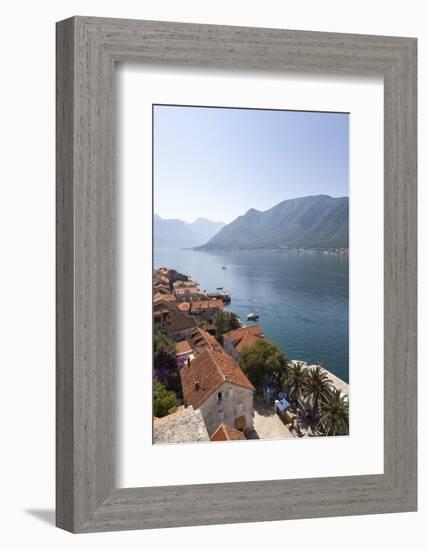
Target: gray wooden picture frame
pixel 87 50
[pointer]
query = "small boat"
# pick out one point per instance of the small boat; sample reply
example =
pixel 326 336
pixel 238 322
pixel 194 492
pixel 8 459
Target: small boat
pixel 224 267
pixel 219 288
pixel 253 316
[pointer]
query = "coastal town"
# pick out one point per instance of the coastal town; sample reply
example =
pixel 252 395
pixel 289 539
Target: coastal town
pixel 217 379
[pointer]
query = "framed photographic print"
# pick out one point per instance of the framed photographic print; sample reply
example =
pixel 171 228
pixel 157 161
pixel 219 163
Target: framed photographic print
pixel 236 274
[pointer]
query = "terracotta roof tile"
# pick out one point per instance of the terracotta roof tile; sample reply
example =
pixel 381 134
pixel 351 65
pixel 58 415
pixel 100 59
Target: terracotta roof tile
pixel 200 339
pixel 237 334
pixel 247 340
pixel 183 347
pixel 206 304
pixel 227 433
pixel 161 291
pixel 191 290
pixel 184 284
pixel 207 372
pixel 166 297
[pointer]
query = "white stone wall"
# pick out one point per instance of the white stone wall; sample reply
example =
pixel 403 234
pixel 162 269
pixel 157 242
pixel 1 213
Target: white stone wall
pixel 236 401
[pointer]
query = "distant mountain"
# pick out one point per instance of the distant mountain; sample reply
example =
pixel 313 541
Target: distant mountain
pixel 174 233
pixel 316 222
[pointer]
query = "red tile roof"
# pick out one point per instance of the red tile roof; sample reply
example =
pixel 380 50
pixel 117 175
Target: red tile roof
pixel 245 336
pixel 207 372
pixel 165 297
pixel 206 304
pixel 163 289
pixel 227 433
pixel 239 333
pixel 200 339
pixel 246 340
pixel 183 347
pixel 191 290
pixel 184 284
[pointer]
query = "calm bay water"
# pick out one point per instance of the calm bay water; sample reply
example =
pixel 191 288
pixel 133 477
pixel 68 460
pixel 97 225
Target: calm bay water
pixel 302 299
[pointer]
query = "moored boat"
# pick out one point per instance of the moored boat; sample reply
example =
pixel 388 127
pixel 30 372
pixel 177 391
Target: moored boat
pixel 253 316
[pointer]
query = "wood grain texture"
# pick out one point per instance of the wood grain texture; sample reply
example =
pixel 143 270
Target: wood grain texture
pixel 87 49
pixel 64 276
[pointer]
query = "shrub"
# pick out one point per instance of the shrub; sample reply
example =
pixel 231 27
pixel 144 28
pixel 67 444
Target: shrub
pixel 164 401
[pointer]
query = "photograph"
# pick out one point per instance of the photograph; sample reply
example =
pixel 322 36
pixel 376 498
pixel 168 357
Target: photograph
pixel 250 274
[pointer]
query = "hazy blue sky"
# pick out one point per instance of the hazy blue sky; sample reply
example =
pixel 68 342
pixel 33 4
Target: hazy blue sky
pixel 219 163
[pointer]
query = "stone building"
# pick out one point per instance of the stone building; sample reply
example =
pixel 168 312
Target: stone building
pixel 234 341
pixel 214 384
pixel 168 318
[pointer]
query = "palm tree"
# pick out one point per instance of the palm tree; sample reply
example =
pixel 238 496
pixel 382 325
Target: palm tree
pixel 317 387
pixel 334 414
pixel 296 380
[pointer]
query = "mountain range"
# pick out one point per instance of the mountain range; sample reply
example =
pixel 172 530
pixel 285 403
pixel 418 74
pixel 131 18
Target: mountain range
pixel 314 222
pixel 174 233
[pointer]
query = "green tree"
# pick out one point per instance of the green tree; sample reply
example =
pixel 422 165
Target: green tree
pixel 160 342
pixel 316 388
pixel 164 401
pixel 165 362
pixel 334 414
pixel 223 322
pixel 262 362
pixel 295 381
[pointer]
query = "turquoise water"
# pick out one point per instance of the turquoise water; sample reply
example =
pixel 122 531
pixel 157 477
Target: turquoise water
pixel 302 299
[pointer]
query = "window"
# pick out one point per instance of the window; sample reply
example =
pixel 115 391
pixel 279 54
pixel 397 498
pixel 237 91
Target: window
pixel 219 396
pixel 221 415
pixel 239 408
